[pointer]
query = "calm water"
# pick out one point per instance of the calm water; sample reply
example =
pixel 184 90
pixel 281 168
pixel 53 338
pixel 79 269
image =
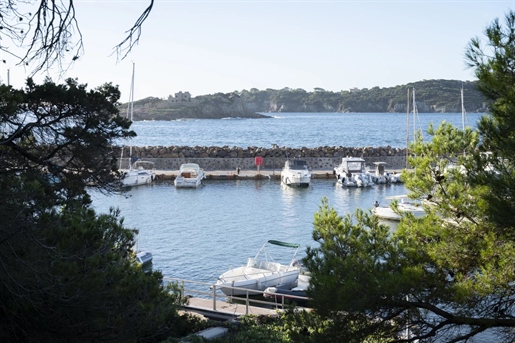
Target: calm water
pixel 197 234
pixel 293 130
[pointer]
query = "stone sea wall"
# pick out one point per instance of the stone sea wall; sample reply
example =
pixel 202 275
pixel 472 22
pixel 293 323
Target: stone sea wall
pixel 230 158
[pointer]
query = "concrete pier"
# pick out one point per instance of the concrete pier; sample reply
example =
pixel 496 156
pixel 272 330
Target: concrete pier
pixel 243 174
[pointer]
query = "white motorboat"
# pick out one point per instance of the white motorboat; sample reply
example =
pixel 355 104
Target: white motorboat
pixel 296 173
pixel 144 257
pixel 352 173
pixel 190 176
pixel 404 204
pixel 381 176
pixel 260 272
pixel 140 172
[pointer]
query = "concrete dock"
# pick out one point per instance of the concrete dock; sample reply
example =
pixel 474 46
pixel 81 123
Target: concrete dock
pixel 221 310
pixel 242 174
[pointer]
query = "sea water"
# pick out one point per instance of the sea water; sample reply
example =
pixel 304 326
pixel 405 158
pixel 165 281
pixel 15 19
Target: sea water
pixel 197 234
pixel 296 130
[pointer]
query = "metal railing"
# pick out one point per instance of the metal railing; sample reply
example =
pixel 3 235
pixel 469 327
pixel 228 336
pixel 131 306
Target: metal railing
pixel 215 294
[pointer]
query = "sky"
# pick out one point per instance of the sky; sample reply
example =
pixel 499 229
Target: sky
pixel 211 46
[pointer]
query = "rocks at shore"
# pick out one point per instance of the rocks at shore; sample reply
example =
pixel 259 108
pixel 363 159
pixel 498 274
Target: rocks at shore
pixel 251 152
pixel 231 158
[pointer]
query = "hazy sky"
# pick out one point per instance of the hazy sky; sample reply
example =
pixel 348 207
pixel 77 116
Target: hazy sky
pixel 214 46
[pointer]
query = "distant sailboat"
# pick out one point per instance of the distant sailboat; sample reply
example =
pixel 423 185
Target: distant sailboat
pixel 464 120
pixel 415 118
pixel 137 173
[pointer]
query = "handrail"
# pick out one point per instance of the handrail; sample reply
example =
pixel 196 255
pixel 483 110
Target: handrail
pixel 214 294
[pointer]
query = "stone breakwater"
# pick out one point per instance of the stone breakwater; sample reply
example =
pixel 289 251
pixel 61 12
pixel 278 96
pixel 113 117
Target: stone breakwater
pixel 230 158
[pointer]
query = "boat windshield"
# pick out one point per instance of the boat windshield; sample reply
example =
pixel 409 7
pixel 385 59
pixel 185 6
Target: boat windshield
pixel 354 166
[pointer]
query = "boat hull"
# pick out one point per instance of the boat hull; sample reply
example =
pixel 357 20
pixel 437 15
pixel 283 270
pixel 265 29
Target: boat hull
pixel 388 213
pixel 253 279
pixel 138 177
pixel 296 180
pixel 181 182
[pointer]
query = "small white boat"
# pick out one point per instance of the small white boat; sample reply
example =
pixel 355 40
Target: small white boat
pixel 138 174
pixel 404 204
pixel 352 173
pixel 190 176
pixel 296 173
pixel 144 257
pixel 381 176
pixel 260 272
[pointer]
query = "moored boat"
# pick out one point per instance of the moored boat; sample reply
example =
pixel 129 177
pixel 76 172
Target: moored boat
pixel 404 204
pixel 351 172
pixel 190 176
pixel 260 272
pixel 296 173
pixel 382 176
pixel 140 172
pixel 144 257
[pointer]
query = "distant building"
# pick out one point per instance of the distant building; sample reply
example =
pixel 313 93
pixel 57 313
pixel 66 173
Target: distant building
pixel 354 89
pixel 180 97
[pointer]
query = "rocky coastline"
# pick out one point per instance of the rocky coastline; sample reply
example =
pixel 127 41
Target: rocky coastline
pixel 433 96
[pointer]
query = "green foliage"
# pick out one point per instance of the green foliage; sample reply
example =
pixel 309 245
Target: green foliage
pixel 64 132
pixel 432 96
pixel 295 326
pixel 495 68
pixel 67 273
pixel 448 276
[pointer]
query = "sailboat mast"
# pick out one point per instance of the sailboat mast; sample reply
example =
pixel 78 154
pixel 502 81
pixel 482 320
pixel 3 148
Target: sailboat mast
pixel 131 105
pixel 462 109
pixel 407 130
pixel 414 115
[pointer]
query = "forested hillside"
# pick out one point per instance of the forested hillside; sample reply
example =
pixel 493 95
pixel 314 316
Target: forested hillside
pixel 440 96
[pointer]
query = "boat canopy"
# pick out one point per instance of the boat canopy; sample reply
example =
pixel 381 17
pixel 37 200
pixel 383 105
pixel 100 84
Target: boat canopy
pixel 298 165
pixel 193 166
pixel 284 244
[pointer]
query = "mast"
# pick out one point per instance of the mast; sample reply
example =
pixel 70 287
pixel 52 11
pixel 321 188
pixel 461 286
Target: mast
pixel 131 105
pixel 414 116
pixel 407 130
pixel 130 113
pixel 463 113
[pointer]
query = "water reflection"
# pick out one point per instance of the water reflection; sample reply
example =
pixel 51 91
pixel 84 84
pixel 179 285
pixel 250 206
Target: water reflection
pixel 198 234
